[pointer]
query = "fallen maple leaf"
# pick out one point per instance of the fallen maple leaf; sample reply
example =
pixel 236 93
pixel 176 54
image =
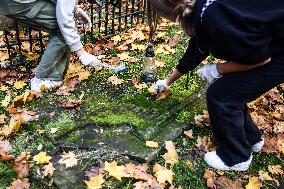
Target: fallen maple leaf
pixel 275 169
pixel 262 175
pixel 20 84
pixel 5 147
pixel 48 169
pixel 115 80
pixel 68 86
pixel 6 101
pixel 159 63
pixel 3 118
pixel 171 156
pixel 20 184
pixel 189 133
pixel 71 103
pixel 254 183
pixel 95 182
pixel 210 178
pixel 21 168
pixel 163 174
pixel 115 171
pixel 69 159
pixel 152 144
pixel 225 183
pixel 42 158
pixel 205 143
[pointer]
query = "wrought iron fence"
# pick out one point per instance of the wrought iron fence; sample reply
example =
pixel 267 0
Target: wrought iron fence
pixel 109 17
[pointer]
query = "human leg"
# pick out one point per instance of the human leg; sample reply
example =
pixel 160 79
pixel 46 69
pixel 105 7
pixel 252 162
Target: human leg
pixel 41 15
pixel 227 97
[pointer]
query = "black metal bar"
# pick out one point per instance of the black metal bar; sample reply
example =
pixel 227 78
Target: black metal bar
pixel 119 17
pixel 113 18
pixel 106 16
pixel 126 12
pixel 41 42
pixel 18 39
pixel 30 39
pixel 92 20
pixel 132 11
pixel 6 33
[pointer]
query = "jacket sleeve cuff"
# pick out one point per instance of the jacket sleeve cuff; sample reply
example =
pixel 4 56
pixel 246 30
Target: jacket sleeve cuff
pixel 76 47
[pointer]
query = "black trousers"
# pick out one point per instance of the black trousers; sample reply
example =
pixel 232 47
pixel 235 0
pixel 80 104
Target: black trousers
pixel 227 99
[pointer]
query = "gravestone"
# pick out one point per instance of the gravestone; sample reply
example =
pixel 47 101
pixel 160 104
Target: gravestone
pixel 115 121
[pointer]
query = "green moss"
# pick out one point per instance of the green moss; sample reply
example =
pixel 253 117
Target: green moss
pixel 74 138
pixel 122 118
pixel 64 124
pixel 7 174
pixel 183 116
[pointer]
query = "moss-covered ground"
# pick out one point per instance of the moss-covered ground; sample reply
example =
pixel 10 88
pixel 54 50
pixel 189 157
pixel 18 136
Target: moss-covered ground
pixel 105 104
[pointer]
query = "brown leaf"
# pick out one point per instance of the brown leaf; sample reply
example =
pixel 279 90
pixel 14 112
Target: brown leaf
pixel 205 143
pixel 94 171
pixel 115 80
pixel 189 133
pixel 71 103
pixel 275 169
pixel 21 168
pixel 48 169
pixel 210 178
pixel 171 156
pixel 20 184
pixel 202 119
pixel 68 86
pixel 225 183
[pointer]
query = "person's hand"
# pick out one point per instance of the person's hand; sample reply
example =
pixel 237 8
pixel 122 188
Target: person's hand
pixel 89 60
pixel 208 72
pixel 83 17
pixel 160 86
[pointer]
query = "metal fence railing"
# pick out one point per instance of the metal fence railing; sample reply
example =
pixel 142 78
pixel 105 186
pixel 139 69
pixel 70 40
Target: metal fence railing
pixel 109 17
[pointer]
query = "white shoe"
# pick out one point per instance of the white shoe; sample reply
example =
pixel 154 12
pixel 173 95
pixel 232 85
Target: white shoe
pixel 213 160
pixel 258 146
pixel 37 84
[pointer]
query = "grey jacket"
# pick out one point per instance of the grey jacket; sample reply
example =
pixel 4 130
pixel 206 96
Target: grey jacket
pixel 65 17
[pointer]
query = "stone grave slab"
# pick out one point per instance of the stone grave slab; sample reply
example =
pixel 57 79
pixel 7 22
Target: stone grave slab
pixel 119 118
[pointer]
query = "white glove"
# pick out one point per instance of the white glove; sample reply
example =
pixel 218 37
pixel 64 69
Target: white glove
pixel 208 72
pixel 160 86
pixel 90 60
pixel 83 17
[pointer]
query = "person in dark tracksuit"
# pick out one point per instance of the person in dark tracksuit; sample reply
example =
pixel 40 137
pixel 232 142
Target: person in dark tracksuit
pixel 249 36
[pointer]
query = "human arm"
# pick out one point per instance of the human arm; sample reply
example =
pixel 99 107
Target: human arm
pixel 231 66
pixel 192 57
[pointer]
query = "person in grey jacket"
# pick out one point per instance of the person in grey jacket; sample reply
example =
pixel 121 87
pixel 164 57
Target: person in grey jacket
pixel 56 18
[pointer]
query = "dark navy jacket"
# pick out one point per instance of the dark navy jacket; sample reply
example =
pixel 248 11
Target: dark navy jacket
pixel 243 31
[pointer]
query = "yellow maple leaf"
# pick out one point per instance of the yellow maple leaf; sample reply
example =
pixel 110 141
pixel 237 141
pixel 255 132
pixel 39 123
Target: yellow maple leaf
pixel 3 117
pixel 95 182
pixel 123 56
pixel 275 169
pixel 4 56
pixel 69 159
pixel 19 84
pixel 264 176
pixel 116 39
pixel 141 86
pixel 42 158
pixel 159 63
pixel 254 183
pixel 115 80
pixel 160 35
pixel 171 156
pixel 6 101
pixel 84 74
pixel 115 171
pixel 163 174
pixel 152 144
pixel 3 88
pixel 140 47
pixel 32 56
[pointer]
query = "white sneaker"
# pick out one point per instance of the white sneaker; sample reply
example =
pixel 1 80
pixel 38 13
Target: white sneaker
pixel 258 146
pixel 37 84
pixel 213 160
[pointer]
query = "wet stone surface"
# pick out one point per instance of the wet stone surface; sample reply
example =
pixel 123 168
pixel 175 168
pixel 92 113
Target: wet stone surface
pixel 117 118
